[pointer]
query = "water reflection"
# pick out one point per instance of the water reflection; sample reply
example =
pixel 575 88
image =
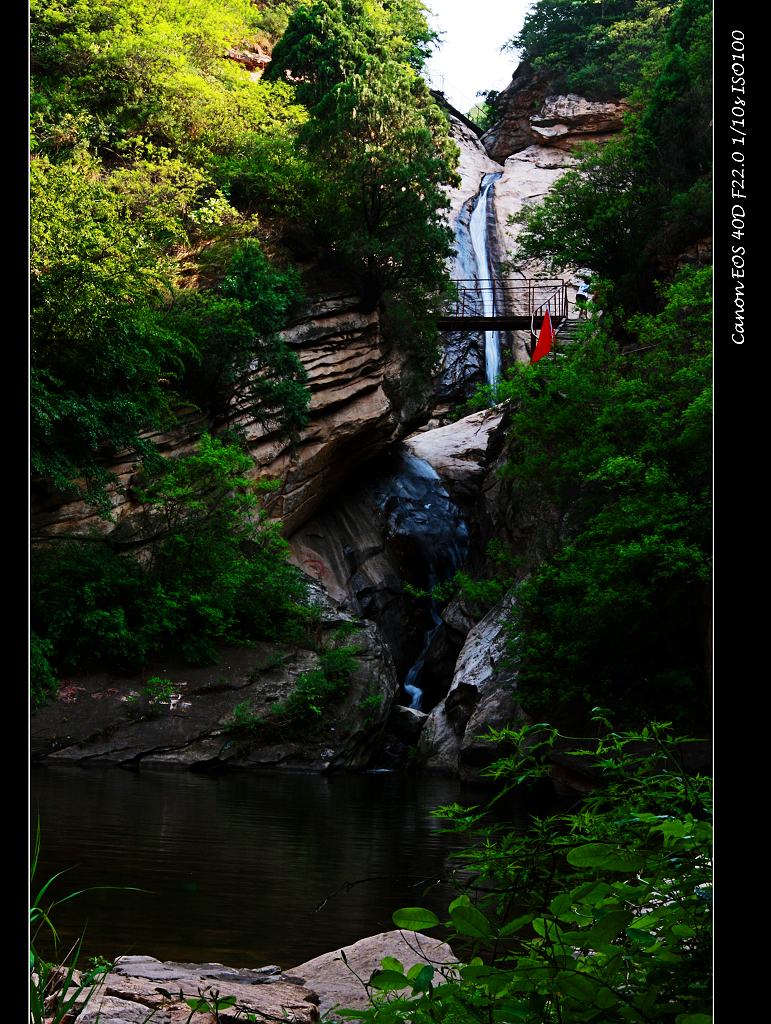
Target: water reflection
pixel 235 865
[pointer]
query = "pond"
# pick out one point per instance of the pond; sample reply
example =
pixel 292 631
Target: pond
pixel 244 869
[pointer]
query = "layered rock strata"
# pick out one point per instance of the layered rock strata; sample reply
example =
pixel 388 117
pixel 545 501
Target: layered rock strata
pixel 140 988
pixel 356 411
pixel 531 110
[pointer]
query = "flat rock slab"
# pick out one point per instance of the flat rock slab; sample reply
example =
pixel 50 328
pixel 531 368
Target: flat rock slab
pixel 141 987
pixel 338 985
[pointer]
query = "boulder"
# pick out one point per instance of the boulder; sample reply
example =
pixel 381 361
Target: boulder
pixel 405 723
pixel 140 986
pixel 336 981
pixel 459 452
pixel 481 695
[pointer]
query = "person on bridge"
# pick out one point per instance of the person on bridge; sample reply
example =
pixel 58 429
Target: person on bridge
pixel 582 297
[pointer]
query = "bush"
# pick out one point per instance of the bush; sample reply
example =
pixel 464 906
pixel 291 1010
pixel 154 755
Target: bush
pixel 216 571
pixel 317 690
pixel 43 681
pixel 602 913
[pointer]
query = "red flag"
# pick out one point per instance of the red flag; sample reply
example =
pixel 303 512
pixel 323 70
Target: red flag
pixel 545 339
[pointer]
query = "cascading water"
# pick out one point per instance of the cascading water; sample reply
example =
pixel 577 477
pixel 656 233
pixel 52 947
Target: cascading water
pixel 478 232
pixel 418 508
pixel 411 687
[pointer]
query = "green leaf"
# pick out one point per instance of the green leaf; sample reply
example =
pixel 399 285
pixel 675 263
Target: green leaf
pixel 578 986
pixel 388 981
pixel 693 1018
pixel 609 927
pixel 199 1005
pixel 390 963
pixel 468 920
pixel 560 904
pixel 414 918
pixel 605 998
pixel 511 927
pixel 422 981
pixel 603 855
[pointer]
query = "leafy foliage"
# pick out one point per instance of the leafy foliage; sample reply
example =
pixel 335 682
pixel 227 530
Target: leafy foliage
pixel 602 913
pixel 315 691
pixel 378 146
pixel 610 453
pixel 131 104
pixel 217 571
pixel 43 682
pixel 595 49
pixel 632 206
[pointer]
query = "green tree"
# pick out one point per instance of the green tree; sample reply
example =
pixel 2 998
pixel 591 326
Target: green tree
pixel 215 570
pixel 633 206
pixel 101 352
pixel 610 453
pixel 598 49
pixel 380 149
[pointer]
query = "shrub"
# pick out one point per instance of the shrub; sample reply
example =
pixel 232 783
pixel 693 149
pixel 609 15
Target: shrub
pixel 216 571
pixel 43 681
pixel 602 913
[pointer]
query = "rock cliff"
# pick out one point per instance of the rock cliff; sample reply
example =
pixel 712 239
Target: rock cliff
pixel 530 110
pixel 356 410
pixel 482 695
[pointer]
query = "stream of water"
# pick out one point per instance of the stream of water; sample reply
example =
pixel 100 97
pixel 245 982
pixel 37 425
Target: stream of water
pixel 417 506
pixel 426 510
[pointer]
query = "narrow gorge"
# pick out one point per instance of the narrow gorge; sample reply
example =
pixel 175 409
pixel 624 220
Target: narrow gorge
pixel 369 507
pixel 370 608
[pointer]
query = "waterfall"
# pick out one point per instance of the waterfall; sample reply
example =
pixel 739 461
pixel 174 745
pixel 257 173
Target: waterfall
pixel 480 245
pixel 418 507
pixel 415 501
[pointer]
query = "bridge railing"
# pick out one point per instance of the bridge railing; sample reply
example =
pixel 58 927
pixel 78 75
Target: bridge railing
pixel 507 297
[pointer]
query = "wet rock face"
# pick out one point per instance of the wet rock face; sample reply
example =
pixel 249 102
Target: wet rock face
pixel 106 719
pixel 460 452
pixel 398 525
pixel 405 723
pixel 482 694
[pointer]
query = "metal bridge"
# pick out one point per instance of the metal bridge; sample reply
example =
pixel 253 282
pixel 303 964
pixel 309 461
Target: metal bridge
pixel 506 304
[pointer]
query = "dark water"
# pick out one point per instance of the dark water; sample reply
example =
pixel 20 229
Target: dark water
pixel 236 865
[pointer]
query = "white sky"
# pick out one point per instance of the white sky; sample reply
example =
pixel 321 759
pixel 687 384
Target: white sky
pixel 469 58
